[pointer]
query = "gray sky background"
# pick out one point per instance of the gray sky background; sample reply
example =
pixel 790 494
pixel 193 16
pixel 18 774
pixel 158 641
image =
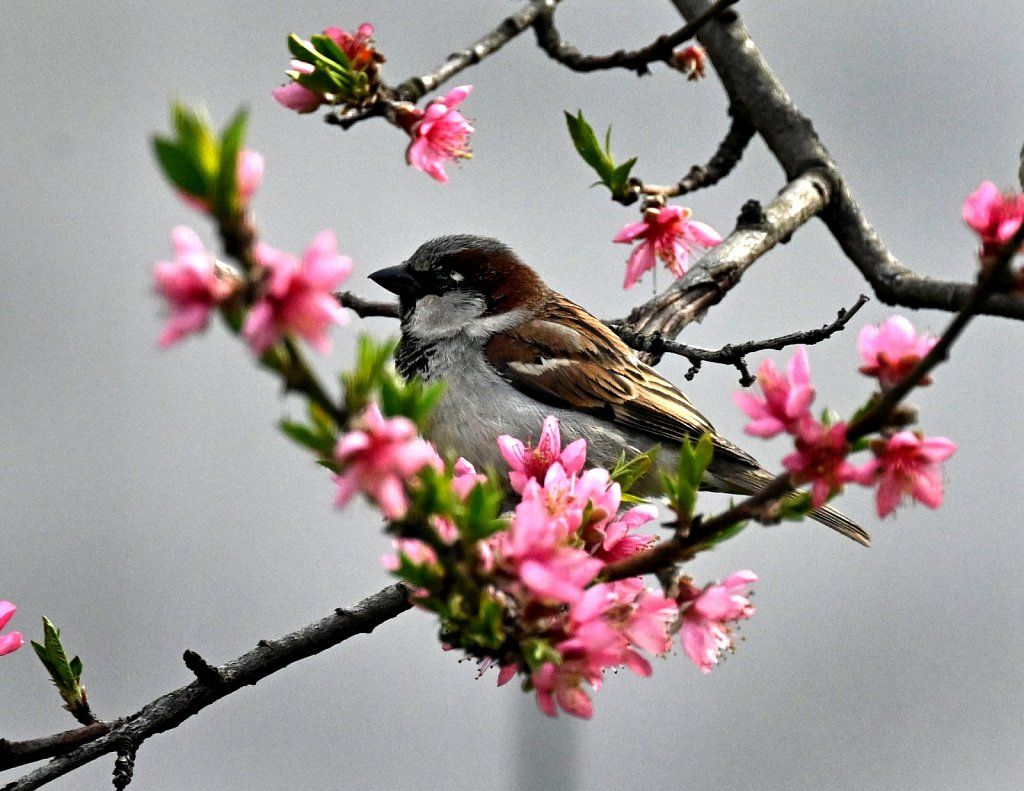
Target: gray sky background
pixel 148 504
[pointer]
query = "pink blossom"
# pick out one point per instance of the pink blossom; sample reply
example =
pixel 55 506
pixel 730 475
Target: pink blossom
pixel 668 234
pixel 786 400
pixel 298 296
pixel 820 458
pixel 439 134
pixel 378 457
pixel 249 174
pixel 705 634
pixel 297 97
pixel 412 551
pixel 529 462
pixel 191 286
pixel 994 216
pixel 465 478
pixel 561 683
pixel 11 641
pixel 616 540
pixel 691 61
pixel 642 616
pixel 415 551
pixel 907 464
pixel 892 350
pixel 506 673
pixel 542 545
pixel 357 48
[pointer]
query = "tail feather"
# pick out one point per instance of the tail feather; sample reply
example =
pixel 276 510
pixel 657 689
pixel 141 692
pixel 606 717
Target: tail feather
pixel 841 523
pixel 739 478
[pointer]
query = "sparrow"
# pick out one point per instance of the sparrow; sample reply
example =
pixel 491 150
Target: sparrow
pixel 513 351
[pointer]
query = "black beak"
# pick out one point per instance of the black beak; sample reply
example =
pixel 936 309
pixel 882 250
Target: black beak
pixel 397 280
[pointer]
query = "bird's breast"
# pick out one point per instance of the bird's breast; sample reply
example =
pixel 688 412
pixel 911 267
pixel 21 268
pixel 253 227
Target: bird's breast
pixel 479 405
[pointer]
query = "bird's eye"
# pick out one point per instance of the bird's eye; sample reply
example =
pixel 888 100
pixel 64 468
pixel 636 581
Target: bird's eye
pixel 439 280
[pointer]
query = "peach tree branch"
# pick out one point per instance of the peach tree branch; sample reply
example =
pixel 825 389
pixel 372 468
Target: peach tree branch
pixel 212 684
pixel 756 94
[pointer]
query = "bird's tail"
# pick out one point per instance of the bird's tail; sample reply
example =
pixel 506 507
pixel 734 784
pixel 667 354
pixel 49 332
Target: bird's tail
pixel 742 479
pixel 841 523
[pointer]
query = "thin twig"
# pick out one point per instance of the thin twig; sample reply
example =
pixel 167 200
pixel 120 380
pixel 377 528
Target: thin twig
pixel 549 39
pixel 729 153
pixel 416 87
pixel 734 353
pixel 365 307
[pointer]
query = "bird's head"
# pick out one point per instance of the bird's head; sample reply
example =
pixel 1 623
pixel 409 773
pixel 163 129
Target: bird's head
pixel 462 283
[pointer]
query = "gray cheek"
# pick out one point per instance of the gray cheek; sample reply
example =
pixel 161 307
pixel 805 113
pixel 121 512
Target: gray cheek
pixel 442 316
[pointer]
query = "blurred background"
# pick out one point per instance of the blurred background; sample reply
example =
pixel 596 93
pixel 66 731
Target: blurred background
pixel 148 504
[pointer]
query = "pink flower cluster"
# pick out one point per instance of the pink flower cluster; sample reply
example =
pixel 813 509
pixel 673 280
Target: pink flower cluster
pixel 11 641
pixel 668 234
pixel 905 463
pixel 526 463
pixel 299 295
pixel 378 457
pixel 541 571
pixel 420 553
pixel 439 133
pixel 362 57
pixel 566 527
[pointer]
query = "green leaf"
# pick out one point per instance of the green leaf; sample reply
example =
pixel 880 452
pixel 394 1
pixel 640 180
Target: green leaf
pixel 225 196
pixel 588 146
pixel 620 176
pixel 613 176
pixel 308 437
pixel 180 168
pixel 627 473
pixel 429 395
pixel 391 397
pixel 320 81
pixel 372 362
pixel 482 508
pixel 329 50
pixel 537 651
pixel 321 418
pixel 796 506
pixel 303 50
pixel 196 137
pixel 66 675
pixel 693 461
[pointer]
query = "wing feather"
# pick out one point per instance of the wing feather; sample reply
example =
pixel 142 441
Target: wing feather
pixel 568 358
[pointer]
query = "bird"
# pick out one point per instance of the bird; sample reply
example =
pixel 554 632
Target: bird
pixel 513 351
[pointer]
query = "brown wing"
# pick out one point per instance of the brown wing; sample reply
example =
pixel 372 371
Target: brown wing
pixel 568 358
